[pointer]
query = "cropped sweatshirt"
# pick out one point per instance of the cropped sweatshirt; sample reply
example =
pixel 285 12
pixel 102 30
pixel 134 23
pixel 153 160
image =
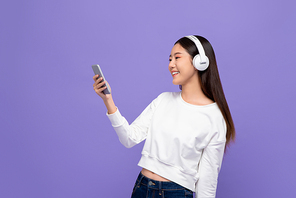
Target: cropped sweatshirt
pixel 184 142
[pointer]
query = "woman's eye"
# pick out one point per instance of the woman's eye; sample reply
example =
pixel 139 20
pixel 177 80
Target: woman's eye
pixel 175 58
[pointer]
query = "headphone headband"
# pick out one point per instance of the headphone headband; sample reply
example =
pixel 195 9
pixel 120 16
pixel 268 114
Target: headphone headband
pixel 201 61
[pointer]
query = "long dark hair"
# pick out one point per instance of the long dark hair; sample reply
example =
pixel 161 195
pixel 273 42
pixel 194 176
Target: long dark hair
pixel 210 81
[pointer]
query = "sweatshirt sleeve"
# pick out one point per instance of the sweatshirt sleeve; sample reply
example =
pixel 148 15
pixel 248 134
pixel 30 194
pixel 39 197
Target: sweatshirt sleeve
pixel 209 169
pixel 132 134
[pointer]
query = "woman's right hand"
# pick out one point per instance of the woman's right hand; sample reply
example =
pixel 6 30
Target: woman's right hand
pixel 107 98
pixel 98 87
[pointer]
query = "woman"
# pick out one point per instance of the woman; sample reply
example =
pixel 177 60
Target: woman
pixel 186 132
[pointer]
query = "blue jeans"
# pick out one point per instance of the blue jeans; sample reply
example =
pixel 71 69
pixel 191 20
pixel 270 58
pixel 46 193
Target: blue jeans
pixel 149 188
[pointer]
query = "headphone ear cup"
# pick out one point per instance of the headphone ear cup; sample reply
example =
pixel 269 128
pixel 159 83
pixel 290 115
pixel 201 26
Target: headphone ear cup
pixel 197 63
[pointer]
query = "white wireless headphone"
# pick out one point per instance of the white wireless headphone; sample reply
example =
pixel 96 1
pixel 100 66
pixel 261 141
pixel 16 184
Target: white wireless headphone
pixel 200 61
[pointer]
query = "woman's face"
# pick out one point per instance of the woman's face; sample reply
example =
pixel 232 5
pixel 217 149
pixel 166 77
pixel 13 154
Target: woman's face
pixel 180 66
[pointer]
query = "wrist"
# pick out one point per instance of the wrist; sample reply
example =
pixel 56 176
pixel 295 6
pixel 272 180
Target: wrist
pixel 109 103
pixel 108 99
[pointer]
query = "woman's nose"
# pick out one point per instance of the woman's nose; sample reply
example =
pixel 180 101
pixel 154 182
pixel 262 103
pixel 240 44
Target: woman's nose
pixel 171 64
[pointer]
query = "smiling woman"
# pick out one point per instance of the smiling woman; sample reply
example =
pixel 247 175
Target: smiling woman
pixel 186 132
pixel 209 78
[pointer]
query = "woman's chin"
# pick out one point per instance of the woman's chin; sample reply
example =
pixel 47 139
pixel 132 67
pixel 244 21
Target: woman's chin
pixel 176 83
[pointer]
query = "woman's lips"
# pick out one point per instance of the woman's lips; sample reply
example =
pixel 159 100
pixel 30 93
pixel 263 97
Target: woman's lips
pixel 175 73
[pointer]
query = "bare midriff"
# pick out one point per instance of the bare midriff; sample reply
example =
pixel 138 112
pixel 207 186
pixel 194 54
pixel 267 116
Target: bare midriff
pixel 152 175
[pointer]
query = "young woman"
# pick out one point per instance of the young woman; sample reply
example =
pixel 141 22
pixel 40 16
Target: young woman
pixel 186 132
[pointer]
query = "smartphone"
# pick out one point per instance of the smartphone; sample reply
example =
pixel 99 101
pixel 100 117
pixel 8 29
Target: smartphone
pixel 97 70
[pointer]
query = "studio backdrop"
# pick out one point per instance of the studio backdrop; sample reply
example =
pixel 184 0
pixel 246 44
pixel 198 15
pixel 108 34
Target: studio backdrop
pixel 55 138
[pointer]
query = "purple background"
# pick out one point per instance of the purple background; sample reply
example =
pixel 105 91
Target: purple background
pixel 56 140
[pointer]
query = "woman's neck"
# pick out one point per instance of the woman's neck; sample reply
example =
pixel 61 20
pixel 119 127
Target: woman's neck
pixel 193 94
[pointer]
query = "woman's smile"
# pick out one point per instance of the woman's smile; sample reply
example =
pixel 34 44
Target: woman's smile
pixel 174 73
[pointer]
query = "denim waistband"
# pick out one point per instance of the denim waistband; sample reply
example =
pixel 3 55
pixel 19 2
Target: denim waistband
pixel 160 185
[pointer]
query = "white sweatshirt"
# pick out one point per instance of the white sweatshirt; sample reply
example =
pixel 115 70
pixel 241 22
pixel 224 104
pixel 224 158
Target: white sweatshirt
pixel 184 142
